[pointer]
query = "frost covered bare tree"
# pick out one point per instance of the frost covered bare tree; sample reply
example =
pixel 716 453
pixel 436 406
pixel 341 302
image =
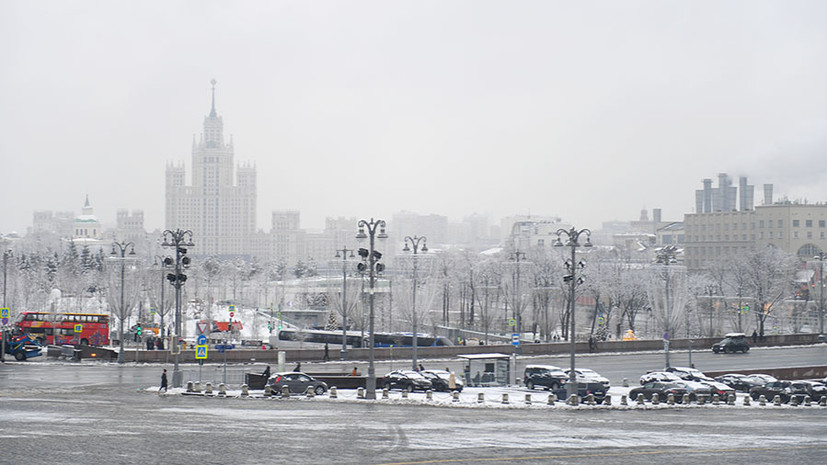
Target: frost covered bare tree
pixel 769 274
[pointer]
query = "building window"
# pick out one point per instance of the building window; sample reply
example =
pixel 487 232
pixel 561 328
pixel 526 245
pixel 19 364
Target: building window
pixel 780 223
pixel 770 236
pixel 809 234
pixel 809 223
pixel 795 234
pixel 761 224
pixel 820 223
pixel 795 223
pixel 770 223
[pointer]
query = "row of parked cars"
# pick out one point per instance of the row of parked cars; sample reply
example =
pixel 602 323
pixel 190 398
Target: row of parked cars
pixel 406 380
pixel 679 381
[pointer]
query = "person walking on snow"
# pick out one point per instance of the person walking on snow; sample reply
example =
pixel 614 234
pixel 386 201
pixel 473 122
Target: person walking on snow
pixel 163 381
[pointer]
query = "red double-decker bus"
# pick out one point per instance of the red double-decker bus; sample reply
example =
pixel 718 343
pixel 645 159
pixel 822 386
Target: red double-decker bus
pixel 59 328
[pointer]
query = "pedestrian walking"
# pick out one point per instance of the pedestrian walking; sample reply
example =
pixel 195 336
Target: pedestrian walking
pixel 421 368
pixel 163 381
pixel 754 336
pixel 266 373
pixel 326 352
pixel 298 366
pixel 452 382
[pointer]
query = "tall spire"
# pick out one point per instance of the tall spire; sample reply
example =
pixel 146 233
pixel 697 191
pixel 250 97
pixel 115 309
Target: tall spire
pixel 212 111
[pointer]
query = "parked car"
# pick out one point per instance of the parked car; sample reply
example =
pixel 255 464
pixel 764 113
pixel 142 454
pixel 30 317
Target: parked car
pixel 547 376
pixel 815 389
pixel 739 382
pixel 761 379
pixel 661 389
pixel 662 376
pixel 695 389
pixel 406 380
pixel 297 382
pixel 689 374
pixel 732 343
pixel 440 380
pixel 597 389
pixel 723 390
pixel 590 376
pixel 771 389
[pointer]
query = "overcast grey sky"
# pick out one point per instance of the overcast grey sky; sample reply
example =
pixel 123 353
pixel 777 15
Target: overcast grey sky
pixel 588 110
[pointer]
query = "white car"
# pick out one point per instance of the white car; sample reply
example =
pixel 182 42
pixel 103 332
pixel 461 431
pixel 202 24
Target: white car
pixel 590 376
pixel 661 376
pixel 689 374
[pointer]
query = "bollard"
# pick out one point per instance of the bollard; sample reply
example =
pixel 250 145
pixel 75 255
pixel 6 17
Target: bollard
pixel 309 393
pixel 285 392
pixel 574 400
pixel 776 400
pixel 455 395
pixel 823 401
pixel 208 390
pixel 429 395
pixel 268 390
pixel 670 399
pixel 701 400
pixel 730 400
pixel 505 397
pixel 715 399
pixel 528 399
pixel 746 401
pixel 404 393
pixel 762 400
pixel 480 398
pixel 222 390
pixel 806 401
pixel 333 393
pixel 655 399
pixel 625 382
pixel 360 393
pixel 385 393
pixel 197 387
pixel 623 400
pixel 685 399
pixel 640 399
pixel 551 399
pixel 245 390
pixel 189 386
pixel 607 400
pixel 794 401
pixel 590 399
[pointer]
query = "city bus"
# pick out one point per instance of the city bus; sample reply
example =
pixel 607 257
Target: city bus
pixel 59 328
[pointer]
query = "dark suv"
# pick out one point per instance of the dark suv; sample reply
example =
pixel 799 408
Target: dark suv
pixel 598 390
pixel 732 342
pixel 547 376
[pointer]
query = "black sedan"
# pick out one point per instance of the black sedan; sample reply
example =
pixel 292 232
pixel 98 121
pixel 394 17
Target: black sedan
pixel 772 389
pixel 406 380
pixel 441 380
pixel 661 389
pixel 297 382
pixel 739 382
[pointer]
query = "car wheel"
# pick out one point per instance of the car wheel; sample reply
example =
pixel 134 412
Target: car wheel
pixel 555 386
pixel 746 349
pixel 727 350
pixel 530 385
pixel 409 388
pixel 319 390
pixel 755 395
pixel 715 349
pixel 20 356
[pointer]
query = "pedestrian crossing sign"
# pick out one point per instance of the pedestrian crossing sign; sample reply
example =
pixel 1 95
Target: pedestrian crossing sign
pixel 200 351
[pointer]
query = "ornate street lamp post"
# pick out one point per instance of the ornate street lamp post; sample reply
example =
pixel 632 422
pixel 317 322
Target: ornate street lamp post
pixel 414 241
pixel 573 241
pixel 667 256
pixel 344 257
pixel 121 247
pixel 178 239
pixel 372 256
pixel 820 257
pixel 6 255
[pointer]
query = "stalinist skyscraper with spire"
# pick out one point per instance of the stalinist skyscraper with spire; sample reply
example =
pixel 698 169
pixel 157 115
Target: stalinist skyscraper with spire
pixel 219 206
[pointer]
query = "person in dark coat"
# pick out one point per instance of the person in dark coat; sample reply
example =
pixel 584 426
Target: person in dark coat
pixel 163 381
pixel 298 366
pixel 266 373
pixel 754 336
pixel 326 352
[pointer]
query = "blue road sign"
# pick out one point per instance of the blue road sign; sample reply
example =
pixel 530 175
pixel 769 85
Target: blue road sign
pixel 200 352
pixel 202 340
pixel 515 339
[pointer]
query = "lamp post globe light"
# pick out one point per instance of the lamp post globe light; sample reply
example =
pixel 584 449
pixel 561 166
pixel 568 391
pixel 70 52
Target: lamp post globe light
pixel 414 241
pixel 180 240
pixel 120 248
pixel 573 241
pixel 371 256
pixel 344 258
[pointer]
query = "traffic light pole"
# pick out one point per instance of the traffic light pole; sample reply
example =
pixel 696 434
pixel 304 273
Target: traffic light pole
pixel 178 239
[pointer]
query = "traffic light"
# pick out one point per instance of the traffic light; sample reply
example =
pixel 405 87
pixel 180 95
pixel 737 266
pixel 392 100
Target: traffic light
pixel 269 326
pixel 138 331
